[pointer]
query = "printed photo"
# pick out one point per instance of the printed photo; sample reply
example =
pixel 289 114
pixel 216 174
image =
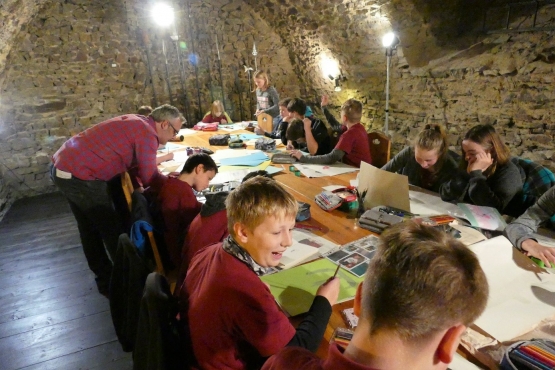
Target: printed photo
pixel 351 261
pixel 360 270
pixel 368 253
pixel 337 255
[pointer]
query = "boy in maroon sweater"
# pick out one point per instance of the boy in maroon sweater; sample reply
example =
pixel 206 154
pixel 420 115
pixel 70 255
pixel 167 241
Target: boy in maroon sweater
pixel 233 319
pixel 421 291
pixel 177 204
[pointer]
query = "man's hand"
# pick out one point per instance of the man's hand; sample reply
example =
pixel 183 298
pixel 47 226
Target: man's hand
pixel 534 249
pixel 325 101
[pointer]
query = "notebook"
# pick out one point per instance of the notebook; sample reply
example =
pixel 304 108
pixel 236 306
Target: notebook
pixel 294 289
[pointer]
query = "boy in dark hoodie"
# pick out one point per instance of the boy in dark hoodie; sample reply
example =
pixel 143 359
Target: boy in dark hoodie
pixel 208 227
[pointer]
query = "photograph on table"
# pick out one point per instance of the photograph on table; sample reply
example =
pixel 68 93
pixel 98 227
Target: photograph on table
pixel 354 256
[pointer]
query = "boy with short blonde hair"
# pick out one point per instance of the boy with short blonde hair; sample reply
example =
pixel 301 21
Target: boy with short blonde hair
pixel 233 319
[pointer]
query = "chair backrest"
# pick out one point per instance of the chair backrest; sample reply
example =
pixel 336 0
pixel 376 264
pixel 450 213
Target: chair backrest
pixel 265 122
pixel 127 187
pixel 380 148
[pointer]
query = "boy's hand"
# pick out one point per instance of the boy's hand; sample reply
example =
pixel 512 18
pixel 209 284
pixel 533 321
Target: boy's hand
pixel 258 111
pixel 330 290
pixel 534 249
pixel 259 131
pixel 296 153
pixel 325 101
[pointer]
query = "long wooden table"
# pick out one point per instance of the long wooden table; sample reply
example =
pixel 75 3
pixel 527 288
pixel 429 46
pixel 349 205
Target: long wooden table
pixel 337 226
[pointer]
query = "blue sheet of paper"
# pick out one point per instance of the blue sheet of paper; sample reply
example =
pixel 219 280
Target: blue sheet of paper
pixel 253 159
pixel 246 137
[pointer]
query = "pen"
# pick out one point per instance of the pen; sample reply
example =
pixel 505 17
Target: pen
pixel 335 274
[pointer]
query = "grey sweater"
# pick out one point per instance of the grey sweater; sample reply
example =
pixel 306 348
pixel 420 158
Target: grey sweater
pixel 523 227
pixel 267 101
pixel 405 164
pixel 495 191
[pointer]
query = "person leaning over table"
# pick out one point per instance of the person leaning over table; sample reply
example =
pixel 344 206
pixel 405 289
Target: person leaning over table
pixel 313 136
pixel 520 231
pixel 84 165
pixel 421 291
pixel 427 163
pixel 232 318
pixel 352 147
pixel 486 176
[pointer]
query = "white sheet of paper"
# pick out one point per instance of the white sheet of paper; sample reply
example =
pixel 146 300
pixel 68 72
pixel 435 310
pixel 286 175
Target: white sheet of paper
pixel 383 188
pixel 519 298
pixel 186 132
pixel 461 363
pixel 321 170
pixel 425 204
pixel 487 218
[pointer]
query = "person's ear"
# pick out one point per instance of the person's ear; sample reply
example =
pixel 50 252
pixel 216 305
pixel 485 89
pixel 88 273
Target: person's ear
pixel 449 343
pixel 358 300
pixel 240 232
pixel 199 169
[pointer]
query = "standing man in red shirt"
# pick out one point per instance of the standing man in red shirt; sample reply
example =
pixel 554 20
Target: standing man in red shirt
pixel 86 162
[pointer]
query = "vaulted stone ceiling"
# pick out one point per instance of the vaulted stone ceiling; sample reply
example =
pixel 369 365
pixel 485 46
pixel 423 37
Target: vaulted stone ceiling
pixel 65 65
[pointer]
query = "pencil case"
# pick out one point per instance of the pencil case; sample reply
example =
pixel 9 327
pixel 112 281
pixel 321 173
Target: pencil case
pixel 377 221
pixel 303 213
pixel 531 354
pixel 328 201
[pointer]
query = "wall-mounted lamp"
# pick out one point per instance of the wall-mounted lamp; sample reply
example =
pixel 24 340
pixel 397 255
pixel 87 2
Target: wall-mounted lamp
pixel 337 81
pixel 390 42
pixel 163 14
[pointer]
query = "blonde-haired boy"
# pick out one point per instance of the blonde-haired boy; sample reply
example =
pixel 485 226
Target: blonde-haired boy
pixel 233 319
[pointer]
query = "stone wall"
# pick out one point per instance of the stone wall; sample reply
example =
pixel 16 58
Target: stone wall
pixel 72 64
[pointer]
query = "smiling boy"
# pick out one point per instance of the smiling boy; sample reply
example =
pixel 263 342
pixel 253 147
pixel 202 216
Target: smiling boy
pixel 233 319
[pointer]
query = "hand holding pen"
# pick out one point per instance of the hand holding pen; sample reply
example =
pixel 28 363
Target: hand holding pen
pixel 330 289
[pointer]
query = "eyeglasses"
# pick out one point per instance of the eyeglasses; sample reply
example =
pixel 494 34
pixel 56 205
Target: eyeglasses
pixel 175 132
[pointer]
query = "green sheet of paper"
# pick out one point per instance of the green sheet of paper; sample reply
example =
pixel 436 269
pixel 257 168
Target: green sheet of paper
pixel 294 289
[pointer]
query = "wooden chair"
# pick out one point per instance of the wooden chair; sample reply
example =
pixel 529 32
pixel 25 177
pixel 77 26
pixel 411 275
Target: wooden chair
pixel 128 190
pixel 265 122
pixel 380 148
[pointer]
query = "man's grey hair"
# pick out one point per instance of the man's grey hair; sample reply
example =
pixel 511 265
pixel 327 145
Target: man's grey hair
pixel 165 112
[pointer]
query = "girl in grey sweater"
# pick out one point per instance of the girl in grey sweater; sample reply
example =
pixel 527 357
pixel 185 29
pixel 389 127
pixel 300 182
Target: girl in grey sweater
pixel 267 98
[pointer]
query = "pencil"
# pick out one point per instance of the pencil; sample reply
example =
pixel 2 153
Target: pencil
pixel 336 270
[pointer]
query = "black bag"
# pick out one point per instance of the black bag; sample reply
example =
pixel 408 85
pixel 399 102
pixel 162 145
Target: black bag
pixel 219 140
pixel 236 143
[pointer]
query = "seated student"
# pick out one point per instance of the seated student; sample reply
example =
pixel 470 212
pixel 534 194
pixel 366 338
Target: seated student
pixel 427 163
pixel 313 137
pixel 233 319
pixel 352 147
pixel 217 114
pixel 422 289
pixel 177 205
pixel 209 226
pixel 520 231
pixel 144 110
pixel 486 177
pixel 279 125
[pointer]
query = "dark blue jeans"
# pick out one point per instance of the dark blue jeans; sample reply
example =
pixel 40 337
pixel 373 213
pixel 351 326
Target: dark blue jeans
pixel 97 220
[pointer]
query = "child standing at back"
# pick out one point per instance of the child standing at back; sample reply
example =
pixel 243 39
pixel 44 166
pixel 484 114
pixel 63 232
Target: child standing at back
pixel 267 97
pixel 217 114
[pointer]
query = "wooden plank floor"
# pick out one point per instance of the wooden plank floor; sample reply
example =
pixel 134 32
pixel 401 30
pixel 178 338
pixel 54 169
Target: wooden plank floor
pixel 51 314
